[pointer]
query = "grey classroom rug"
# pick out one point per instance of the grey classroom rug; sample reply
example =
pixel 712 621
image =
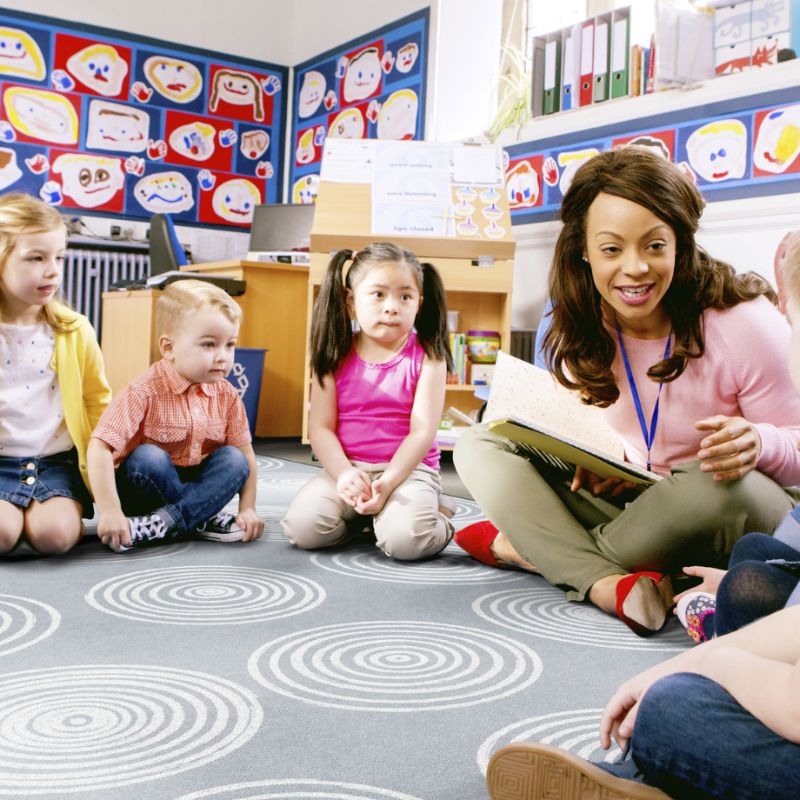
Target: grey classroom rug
pixel 243 671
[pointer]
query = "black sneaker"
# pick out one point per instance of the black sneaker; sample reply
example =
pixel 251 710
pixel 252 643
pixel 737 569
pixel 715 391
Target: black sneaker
pixel 221 527
pixel 144 529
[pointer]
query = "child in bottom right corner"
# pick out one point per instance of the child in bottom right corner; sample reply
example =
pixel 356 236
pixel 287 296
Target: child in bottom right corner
pixel 763 572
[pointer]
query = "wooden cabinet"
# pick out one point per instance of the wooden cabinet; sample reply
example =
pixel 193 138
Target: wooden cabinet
pixel 481 295
pixel 273 307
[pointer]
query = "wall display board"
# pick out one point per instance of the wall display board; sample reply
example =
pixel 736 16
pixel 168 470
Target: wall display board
pixel 372 87
pixel 101 121
pixel 743 147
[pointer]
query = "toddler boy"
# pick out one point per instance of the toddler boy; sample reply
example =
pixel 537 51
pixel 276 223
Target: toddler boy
pixel 173 448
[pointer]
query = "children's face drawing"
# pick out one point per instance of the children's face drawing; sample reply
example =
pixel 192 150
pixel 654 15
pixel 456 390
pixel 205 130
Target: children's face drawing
pixel 202 349
pixel 363 75
pixel 778 141
pixel 718 151
pixel 305 152
pixel 237 88
pixel 348 124
pixel 305 189
pixel 406 57
pixel 398 116
pixel 90 181
pixel 32 274
pixel 253 144
pixel 164 193
pixel 311 93
pixel 522 185
pixel 20 55
pixel 42 115
pixel 9 169
pixel 194 141
pixel 117 127
pixel 385 302
pixel 235 200
pixel 100 67
pixel 631 253
pixel 173 78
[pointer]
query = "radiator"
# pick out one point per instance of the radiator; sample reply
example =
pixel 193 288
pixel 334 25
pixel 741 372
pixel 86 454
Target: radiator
pixel 89 273
pixel 522 344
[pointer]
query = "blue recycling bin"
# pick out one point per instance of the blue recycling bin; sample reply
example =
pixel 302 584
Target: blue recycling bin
pixel 248 367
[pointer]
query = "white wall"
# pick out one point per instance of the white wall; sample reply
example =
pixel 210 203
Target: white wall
pixel 744 233
pixel 259 29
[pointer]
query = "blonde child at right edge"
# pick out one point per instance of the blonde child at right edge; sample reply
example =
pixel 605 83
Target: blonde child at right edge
pixel 376 400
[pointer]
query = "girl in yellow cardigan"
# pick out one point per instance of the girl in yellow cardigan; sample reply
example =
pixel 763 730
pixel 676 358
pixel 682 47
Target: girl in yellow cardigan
pixel 52 385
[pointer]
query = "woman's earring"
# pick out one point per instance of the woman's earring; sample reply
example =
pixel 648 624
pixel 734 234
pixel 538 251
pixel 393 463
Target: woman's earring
pixel 583 258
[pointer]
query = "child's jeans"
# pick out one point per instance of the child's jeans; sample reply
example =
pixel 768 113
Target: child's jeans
pixel 693 740
pixel 148 482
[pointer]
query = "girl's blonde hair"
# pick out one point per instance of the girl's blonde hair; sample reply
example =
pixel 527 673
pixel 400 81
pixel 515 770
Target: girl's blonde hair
pixel 21 214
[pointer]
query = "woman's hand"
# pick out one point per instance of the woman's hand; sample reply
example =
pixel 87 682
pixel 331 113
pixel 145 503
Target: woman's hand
pixel 711 580
pixel 353 486
pixel 732 450
pixel 613 487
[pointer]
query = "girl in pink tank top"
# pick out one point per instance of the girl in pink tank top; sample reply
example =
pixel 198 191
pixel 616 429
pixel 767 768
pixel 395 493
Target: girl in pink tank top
pixel 376 400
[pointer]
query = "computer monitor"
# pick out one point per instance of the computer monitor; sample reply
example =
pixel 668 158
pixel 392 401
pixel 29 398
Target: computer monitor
pixel 280 228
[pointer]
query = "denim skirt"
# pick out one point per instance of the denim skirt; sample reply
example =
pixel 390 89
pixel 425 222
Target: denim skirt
pixel 42 477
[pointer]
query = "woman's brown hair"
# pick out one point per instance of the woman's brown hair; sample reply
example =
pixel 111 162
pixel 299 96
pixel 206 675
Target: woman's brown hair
pixel 578 345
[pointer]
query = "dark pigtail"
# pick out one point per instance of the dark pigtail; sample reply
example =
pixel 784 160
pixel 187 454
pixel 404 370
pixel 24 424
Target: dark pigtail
pixel 431 322
pixel 331 330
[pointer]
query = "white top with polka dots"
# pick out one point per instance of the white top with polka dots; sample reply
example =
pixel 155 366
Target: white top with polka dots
pixel 31 412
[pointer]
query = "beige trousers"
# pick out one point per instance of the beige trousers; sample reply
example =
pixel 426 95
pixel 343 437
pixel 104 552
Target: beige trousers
pixel 409 526
pixel 574 539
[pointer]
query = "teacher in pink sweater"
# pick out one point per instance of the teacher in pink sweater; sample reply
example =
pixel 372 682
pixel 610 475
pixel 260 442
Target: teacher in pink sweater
pixel 689 360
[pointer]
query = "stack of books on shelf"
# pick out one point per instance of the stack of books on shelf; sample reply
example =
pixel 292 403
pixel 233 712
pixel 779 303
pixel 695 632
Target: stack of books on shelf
pixel 458 347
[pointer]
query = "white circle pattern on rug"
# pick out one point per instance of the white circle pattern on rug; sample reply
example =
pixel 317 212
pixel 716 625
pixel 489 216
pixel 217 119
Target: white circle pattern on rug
pixel 213 595
pixel 296 788
pixel 270 464
pixel 90 727
pixel 544 612
pixel 446 568
pixel 395 665
pixel 577 731
pixel 466 512
pixel 24 622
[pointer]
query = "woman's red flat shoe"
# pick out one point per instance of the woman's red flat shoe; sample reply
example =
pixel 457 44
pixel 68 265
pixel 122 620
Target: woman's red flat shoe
pixel 643 601
pixel 477 540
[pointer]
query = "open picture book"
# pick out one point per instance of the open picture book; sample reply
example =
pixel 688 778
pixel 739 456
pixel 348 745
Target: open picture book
pixel 527 405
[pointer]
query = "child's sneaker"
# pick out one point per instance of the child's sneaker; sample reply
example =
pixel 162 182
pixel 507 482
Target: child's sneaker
pixel 144 529
pixel 696 612
pixel 221 527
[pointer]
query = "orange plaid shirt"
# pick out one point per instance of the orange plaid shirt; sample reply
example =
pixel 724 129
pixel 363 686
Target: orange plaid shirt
pixel 187 420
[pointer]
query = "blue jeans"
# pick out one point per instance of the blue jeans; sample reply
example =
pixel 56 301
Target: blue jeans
pixel 752 588
pixel 148 482
pixel 693 740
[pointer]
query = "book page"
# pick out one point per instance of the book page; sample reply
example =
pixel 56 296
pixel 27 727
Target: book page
pixel 531 394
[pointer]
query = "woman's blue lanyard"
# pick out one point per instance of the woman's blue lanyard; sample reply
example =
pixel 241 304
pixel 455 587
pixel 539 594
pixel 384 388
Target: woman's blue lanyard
pixel 649 436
